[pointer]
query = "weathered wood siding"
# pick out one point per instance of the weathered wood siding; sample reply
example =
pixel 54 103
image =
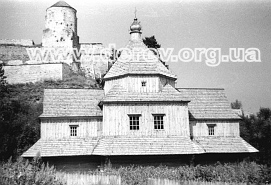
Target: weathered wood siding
pixel 116 119
pixel 133 83
pixel 60 128
pixel 222 128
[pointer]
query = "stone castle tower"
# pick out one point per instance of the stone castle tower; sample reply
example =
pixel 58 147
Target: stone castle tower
pixel 60 33
pixel 60 26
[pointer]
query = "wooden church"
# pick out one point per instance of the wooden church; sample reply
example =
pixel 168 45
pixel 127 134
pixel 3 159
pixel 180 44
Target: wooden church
pixel 140 117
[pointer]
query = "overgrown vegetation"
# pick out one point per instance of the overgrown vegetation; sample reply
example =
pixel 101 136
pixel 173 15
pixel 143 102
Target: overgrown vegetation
pixel 22 172
pixel 243 172
pixel 256 130
pixel 20 107
pixel 36 172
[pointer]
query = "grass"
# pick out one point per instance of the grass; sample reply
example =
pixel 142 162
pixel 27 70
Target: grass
pixel 242 172
pixel 23 172
pixel 35 172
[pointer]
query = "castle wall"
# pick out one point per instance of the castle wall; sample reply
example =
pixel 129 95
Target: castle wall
pixel 9 53
pixel 23 42
pixel 36 72
pixel 93 62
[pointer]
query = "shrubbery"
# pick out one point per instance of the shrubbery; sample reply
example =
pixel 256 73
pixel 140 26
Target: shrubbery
pixel 23 172
pixel 243 172
pixel 35 172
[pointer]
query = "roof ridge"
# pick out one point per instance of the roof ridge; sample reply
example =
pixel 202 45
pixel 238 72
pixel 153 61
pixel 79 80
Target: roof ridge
pixel 73 89
pixel 207 88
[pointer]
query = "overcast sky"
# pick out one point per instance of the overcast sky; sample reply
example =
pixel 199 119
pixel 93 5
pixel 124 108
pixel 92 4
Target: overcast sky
pixel 175 24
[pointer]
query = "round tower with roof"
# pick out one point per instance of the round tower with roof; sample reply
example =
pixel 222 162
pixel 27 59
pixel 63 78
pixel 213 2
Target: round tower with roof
pixel 60 26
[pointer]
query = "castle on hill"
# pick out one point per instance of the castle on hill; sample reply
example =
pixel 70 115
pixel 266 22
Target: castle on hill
pixel 140 117
pixel 25 62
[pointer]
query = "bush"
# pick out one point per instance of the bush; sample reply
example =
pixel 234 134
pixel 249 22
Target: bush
pixel 243 172
pixel 23 172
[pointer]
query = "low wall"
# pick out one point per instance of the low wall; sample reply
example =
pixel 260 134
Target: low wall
pixel 35 72
pixel 8 53
pixel 23 42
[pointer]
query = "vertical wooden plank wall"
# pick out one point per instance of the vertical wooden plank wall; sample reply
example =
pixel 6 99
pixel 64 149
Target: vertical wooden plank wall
pixel 133 83
pixel 222 128
pixel 60 128
pixel 116 119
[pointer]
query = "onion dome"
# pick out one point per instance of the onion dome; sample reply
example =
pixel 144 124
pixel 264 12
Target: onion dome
pixel 135 26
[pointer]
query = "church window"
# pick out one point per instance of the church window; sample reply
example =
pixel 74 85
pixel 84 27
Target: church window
pixel 158 121
pixel 73 130
pixel 211 129
pixel 143 83
pixel 134 122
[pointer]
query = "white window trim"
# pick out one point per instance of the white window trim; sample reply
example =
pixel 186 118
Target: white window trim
pixel 76 130
pixel 130 126
pixel 209 127
pixel 163 123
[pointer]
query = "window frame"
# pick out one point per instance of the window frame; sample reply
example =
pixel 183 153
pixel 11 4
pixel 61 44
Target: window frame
pixel 134 124
pixel 211 129
pixel 73 132
pixel 160 123
pixel 143 83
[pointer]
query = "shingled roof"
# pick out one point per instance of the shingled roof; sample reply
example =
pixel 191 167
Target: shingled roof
pixel 139 60
pixel 62 147
pixel 207 103
pixel 72 102
pixel 61 4
pixel 114 145
pixel 147 145
pixel 168 94
pixel 214 144
pixel 143 145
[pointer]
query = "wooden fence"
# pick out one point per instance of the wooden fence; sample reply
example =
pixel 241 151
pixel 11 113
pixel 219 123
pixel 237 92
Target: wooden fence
pixel 175 182
pixel 89 179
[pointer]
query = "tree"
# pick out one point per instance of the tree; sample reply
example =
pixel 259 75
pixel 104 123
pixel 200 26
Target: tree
pixel 236 105
pixel 151 42
pixel 19 125
pixel 256 130
pixel 2 76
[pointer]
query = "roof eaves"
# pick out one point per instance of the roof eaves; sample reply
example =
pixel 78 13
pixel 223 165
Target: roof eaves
pixel 144 101
pixel 213 119
pixel 133 74
pixel 70 117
